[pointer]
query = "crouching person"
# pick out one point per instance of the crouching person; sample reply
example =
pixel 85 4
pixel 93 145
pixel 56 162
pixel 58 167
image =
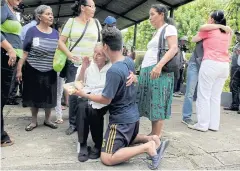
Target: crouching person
pixel 90 114
pixel 123 125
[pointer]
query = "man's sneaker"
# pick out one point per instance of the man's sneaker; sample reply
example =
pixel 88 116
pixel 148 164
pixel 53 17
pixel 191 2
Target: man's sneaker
pixel 238 112
pixel 176 94
pixel 231 108
pixel 188 121
pixel 70 130
pixel 94 153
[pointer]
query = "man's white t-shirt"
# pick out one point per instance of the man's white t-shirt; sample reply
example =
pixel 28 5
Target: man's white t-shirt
pixel 150 57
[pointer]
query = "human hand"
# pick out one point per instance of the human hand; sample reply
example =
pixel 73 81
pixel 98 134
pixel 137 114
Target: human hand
pixel 132 78
pixel 73 58
pixel 227 29
pixel 12 57
pixel 19 76
pixel 79 92
pixel 155 73
pixel 85 62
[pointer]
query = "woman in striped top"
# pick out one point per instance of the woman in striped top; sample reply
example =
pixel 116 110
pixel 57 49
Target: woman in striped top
pixel 71 32
pixel 40 80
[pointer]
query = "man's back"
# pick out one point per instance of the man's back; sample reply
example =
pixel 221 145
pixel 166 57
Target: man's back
pixel 123 108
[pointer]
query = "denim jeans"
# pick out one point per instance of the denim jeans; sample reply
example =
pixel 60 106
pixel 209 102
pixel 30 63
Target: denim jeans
pixel 192 79
pixel 70 77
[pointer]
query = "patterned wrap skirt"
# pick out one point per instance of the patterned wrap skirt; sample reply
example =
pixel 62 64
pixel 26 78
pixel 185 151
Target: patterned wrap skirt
pixel 154 97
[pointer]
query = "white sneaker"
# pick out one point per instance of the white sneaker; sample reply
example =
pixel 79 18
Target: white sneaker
pixel 195 128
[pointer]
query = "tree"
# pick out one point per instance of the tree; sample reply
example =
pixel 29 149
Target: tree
pixel 188 19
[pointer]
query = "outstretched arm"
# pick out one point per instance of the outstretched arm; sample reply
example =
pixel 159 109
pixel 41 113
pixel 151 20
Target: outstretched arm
pixel 208 27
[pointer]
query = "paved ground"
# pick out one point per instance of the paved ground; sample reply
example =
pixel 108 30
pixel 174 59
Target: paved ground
pixel 48 149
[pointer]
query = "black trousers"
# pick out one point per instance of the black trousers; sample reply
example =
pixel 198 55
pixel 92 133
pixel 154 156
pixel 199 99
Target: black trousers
pixel 6 79
pixel 71 72
pixel 235 86
pixel 89 118
pixel 14 85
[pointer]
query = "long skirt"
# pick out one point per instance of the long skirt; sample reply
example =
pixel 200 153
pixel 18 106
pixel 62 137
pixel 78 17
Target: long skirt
pixel 154 97
pixel 39 88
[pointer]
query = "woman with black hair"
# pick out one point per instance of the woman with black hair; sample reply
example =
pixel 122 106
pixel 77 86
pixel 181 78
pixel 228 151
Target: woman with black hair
pixel 71 32
pixel 213 72
pixel 155 90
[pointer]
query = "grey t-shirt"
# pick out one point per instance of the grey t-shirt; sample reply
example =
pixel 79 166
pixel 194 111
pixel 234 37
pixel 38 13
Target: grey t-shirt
pixel 123 108
pixel 197 54
pixel 235 55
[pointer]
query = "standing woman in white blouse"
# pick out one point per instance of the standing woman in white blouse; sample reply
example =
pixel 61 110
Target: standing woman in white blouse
pixel 156 86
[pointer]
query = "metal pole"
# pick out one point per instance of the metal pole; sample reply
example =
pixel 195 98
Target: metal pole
pixel 135 35
pixel 171 12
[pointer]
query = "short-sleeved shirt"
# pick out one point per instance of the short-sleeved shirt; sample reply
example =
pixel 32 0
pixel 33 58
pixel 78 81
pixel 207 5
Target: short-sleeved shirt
pixel 74 29
pixel 41 47
pixel 11 28
pixel 123 108
pixel 150 57
pixel 236 55
pixel 215 45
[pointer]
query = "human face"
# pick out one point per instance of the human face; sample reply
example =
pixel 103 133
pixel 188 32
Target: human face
pixel 89 9
pixel 14 3
pixel 47 17
pixel 99 57
pixel 155 18
pixel 210 20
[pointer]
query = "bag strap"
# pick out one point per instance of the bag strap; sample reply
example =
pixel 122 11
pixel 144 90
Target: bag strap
pixel 161 43
pixel 96 21
pixel 80 38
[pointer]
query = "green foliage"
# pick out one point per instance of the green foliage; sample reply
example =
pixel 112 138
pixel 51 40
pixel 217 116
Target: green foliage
pixel 188 19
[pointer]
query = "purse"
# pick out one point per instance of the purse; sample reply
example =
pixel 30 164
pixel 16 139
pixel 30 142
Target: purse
pixel 60 58
pixel 174 64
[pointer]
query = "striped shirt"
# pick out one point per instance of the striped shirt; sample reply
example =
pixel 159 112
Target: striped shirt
pixel 41 47
pixel 73 30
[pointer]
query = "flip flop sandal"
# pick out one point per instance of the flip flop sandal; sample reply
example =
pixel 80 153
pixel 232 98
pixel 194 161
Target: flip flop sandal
pixel 59 121
pixel 7 143
pixel 50 125
pixel 30 128
pixel 156 160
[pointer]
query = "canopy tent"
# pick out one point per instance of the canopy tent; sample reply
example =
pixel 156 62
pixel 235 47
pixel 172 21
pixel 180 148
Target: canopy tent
pixel 127 12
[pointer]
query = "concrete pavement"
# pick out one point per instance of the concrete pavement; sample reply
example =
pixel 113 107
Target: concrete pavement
pixel 47 149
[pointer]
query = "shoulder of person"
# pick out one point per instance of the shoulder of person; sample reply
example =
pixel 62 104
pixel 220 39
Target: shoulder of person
pixel 171 28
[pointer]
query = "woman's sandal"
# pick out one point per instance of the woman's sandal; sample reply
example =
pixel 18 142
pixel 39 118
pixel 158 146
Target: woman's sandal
pixel 50 125
pixel 7 143
pixel 59 121
pixel 30 128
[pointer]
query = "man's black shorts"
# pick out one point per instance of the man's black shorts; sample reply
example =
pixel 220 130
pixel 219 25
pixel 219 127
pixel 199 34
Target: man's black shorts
pixel 118 136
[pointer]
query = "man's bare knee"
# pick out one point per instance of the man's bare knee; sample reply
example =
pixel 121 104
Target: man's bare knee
pixel 106 159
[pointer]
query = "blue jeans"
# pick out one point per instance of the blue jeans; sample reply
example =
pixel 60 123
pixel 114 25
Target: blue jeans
pixel 192 79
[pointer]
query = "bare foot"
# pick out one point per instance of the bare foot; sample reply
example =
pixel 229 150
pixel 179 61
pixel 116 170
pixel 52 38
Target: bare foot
pixel 151 148
pixel 156 139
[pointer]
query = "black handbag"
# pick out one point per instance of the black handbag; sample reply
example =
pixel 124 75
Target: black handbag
pixel 176 62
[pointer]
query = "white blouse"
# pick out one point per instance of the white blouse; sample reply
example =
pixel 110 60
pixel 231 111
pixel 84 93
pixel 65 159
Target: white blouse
pixel 150 57
pixel 94 81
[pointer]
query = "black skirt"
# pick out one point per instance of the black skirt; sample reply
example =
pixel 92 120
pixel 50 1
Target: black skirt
pixel 39 88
